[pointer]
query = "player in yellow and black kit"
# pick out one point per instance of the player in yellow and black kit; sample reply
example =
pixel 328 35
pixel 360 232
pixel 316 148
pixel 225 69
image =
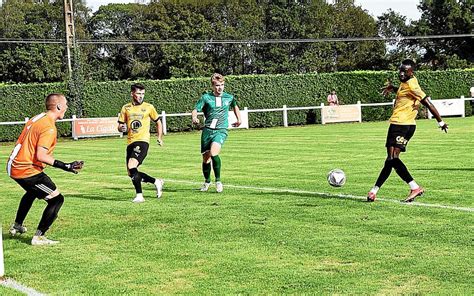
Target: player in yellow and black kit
pixel 402 127
pixel 135 119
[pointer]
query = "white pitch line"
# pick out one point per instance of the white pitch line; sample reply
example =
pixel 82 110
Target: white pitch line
pixel 19 287
pixel 325 194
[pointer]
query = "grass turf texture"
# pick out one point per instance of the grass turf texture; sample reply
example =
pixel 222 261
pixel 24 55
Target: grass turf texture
pixel 251 241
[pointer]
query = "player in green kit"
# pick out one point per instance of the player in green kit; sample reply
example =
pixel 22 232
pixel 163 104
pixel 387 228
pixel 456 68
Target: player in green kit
pixel 215 105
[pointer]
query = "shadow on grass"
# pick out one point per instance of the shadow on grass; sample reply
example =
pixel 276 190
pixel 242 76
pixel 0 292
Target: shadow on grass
pixel 21 238
pixel 310 195
pixel 445 169
pixel 94 197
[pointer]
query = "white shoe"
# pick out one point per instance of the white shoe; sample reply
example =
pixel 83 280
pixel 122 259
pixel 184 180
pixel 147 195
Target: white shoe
pixel 205 186
pixel 139 198
pixel 159 187
pixel 17 229
pixel 219 187
pixel 41 240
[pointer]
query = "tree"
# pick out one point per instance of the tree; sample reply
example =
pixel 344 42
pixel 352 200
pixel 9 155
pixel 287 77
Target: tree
pixel 445 17
pixel 351 21
pixel 393 25
pixel 30 19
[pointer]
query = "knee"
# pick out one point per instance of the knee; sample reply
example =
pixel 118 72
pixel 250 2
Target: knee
pixel 56 200
pixel 53 194
pixel 206 158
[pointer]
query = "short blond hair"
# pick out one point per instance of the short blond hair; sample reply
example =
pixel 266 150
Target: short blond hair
pixel 216 77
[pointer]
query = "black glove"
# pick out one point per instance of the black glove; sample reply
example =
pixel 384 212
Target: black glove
pixel 73 167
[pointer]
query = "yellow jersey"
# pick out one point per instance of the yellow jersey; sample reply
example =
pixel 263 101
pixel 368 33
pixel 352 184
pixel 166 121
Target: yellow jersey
pixel 409 96
pixel 137 118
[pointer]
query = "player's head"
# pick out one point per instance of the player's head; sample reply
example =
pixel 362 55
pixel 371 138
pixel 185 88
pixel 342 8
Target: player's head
pixel 406 70
pixel 333 91
pixel 137 93
pixel 217 82
pixel 57 104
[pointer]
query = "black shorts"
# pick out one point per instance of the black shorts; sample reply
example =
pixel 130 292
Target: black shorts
pixel 137 150
pixel 399 135
pixel 40 185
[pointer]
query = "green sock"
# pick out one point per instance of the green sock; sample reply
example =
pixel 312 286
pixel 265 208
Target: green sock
pixel 216 165
pixel 206 171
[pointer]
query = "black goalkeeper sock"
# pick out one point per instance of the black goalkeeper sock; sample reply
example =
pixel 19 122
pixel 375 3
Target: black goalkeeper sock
pixel 24 207
pixel 401 170
pixel 384 173
pixel 50 213
pixel 206 171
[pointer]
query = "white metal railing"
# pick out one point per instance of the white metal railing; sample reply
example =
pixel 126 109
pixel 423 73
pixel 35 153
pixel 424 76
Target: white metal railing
pixel 284 109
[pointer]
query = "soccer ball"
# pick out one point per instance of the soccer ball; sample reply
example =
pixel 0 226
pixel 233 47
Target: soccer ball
pixel 336 178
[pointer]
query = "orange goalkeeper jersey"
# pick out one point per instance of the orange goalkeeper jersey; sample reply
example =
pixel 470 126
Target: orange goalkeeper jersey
pixel 40 131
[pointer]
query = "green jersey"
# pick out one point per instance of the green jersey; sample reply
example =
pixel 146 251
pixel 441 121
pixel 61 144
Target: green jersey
pixel 216 109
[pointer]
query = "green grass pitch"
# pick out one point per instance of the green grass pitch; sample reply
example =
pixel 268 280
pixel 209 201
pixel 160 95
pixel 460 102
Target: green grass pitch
pixel 278 227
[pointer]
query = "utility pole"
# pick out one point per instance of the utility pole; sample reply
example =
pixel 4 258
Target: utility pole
pixel 70 35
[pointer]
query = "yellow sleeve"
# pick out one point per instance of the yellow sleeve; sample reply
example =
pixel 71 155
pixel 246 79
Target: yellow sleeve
pixel 153 113
pixel 122 116
pixel 415 90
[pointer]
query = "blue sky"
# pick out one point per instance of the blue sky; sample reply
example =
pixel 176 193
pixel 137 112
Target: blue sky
pixel 374 7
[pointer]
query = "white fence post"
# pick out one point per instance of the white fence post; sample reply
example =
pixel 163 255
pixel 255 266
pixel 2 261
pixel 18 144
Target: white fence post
pixel 74 136
pixel 246 110
pixel 322 115
pixel 285 116
pixel 163 121
pixel 2 266
pixel 359 105
pixel 463 106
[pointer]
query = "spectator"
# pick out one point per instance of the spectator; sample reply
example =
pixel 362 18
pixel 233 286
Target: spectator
pixel 332 98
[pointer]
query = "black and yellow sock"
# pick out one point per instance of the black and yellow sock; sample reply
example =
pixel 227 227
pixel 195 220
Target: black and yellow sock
pixel 147 178
pixel 136 180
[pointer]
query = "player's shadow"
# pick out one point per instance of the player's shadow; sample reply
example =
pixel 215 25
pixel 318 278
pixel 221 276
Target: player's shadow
pixel 445 169
pixel 93 197
pixel 21 238
pixel 311 195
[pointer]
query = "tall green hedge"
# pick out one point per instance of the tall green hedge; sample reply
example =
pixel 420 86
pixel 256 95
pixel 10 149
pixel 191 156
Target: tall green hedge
pixel 252 91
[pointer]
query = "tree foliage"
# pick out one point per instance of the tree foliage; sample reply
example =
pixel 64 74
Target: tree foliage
pixel 124 26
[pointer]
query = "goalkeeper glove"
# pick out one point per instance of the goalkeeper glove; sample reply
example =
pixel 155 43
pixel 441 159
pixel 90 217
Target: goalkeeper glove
pixel 73 167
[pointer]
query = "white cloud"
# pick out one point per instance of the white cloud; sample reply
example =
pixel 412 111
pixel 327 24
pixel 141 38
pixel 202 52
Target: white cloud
pixel 376 8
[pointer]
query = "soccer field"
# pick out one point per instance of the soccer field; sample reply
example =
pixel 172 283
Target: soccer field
pixel 278 227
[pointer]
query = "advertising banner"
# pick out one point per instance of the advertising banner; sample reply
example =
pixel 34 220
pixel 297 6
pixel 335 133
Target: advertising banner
pixel 341 113
pixel 94 127
pixel 451 107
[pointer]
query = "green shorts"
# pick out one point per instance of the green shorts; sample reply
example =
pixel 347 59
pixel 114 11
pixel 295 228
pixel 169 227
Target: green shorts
pixel 209 136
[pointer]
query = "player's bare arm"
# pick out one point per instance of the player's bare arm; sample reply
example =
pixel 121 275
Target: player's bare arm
pixel 122 127
pixel 159 132
pixel 388 88
pixel 237 115
pixel 194 116
pixel 43 156
pixel 427 103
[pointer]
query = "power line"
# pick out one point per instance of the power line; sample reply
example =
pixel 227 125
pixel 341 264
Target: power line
pixel 229 41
